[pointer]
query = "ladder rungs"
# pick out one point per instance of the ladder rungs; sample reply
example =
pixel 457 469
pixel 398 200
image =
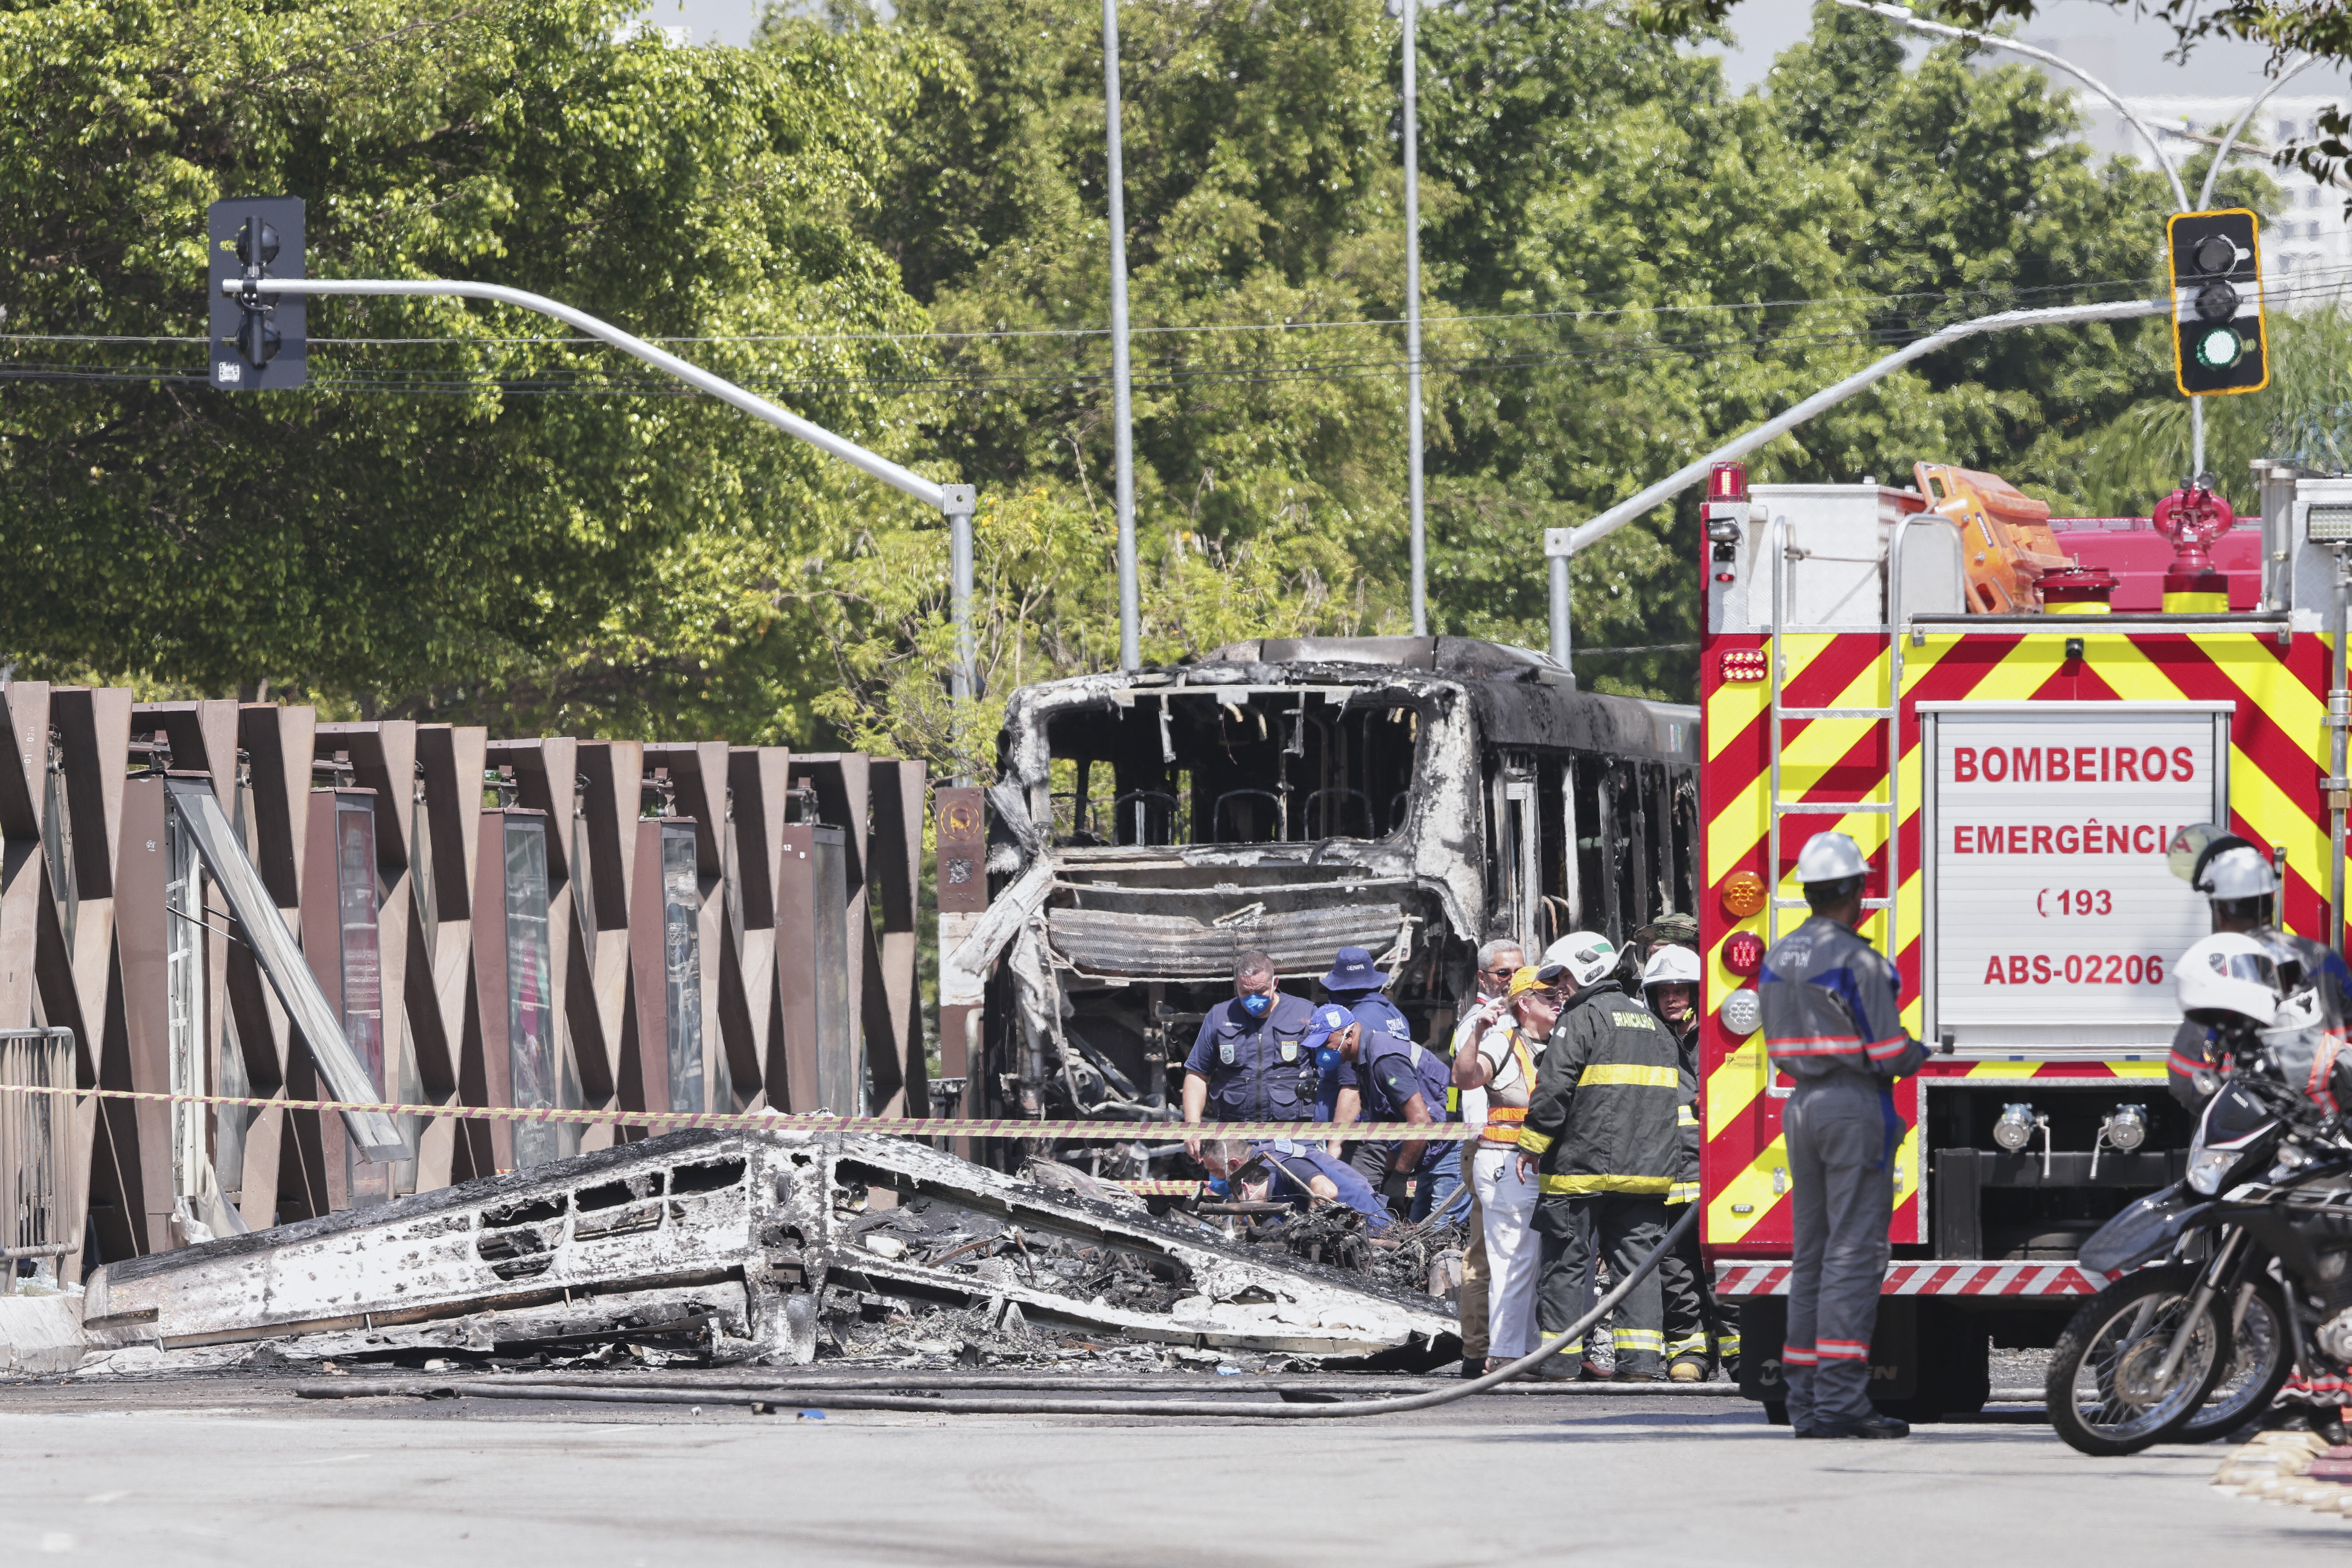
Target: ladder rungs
pixel 1832 807
pixel 1881 714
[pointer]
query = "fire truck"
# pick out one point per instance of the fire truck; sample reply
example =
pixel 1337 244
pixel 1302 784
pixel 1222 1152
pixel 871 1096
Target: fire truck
pixel 2011 715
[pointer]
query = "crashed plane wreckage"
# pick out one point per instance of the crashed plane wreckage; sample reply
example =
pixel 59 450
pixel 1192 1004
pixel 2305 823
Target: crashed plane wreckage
pixel 741 1236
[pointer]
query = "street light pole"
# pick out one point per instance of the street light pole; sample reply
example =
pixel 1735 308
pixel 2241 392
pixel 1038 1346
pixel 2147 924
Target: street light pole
pixel 2204 203
pixel 954 501
pixel 1563 543
pixel 1902 14
pixel 1413 323
pixel 1130 605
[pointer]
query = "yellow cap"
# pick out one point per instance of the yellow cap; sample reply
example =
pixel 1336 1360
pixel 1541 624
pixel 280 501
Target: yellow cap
pixel 1532 978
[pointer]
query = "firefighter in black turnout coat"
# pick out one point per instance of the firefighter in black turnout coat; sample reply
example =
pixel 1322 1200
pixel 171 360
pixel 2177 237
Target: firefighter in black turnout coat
pixel 1601 1132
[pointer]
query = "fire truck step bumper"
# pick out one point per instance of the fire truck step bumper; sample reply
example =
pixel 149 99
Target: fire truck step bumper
pixel 1928 1278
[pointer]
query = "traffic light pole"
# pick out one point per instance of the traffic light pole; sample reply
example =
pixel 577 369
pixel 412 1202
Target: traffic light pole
pixel 954 501
pixel 1902 14
pixel 1563 545
pixel 2204 202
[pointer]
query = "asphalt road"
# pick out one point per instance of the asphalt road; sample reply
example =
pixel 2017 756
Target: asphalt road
pixel 239 1472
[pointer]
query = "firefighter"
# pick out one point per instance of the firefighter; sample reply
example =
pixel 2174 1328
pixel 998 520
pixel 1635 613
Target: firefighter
pixel 2243 886
pixel 1251 1061
pixel 1834 1022
pixel 1599 1133
pixel 1694 1316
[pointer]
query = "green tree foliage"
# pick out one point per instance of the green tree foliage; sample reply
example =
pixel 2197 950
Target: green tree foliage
pixel 899 227
pixel 491 519
pixel 1624 263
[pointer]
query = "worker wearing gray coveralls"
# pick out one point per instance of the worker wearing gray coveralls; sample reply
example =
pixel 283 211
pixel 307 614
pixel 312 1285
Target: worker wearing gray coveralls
pixel 1833 1021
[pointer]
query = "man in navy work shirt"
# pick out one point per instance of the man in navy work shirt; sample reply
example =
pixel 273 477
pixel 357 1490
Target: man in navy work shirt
pixel 1356 986
pixel 1252 1060
pixel 1291 1173
pixel 1396 1079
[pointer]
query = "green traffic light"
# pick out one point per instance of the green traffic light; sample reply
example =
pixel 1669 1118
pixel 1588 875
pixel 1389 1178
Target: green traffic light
pixel 2219 349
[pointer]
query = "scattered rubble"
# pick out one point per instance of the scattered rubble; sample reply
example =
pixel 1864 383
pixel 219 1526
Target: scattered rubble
pixel 781 1248
pixel 2297 1468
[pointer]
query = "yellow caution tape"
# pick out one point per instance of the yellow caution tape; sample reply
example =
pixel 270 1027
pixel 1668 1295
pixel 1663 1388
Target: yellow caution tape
pixel 781 1121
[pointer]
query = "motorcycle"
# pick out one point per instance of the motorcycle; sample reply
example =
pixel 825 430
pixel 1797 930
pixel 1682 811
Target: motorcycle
pixel 2223 1282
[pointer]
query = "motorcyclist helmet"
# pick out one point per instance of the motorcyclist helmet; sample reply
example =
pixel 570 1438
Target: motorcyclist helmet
pixel 2228 979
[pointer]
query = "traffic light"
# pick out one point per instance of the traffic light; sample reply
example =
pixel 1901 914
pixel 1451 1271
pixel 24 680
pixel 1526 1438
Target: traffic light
pixel 257 340
pixel 2218 343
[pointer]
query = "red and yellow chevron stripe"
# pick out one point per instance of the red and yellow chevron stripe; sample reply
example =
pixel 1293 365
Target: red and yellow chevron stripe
pixel 2277 758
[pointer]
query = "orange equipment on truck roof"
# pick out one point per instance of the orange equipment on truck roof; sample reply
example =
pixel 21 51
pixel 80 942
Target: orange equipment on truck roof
pixel 2007 544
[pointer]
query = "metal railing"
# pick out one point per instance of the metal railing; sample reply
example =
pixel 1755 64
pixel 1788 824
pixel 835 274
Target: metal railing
pixel 35 1143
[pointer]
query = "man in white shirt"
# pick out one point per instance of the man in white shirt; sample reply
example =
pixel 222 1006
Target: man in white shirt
pixel 1503 1068
pixel 1497 962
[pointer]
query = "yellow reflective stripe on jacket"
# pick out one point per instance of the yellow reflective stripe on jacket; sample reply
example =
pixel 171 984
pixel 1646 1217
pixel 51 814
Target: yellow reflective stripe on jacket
pixel 1683 1117
pixel 1627 1073
pixel 1533 1143
pixel 1683 1193
pixel 1577 1185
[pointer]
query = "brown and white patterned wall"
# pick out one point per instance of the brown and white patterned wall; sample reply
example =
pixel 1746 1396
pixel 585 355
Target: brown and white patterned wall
pixel 604 925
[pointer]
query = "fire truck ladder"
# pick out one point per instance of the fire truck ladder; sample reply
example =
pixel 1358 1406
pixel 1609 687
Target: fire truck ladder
pixel 1890 715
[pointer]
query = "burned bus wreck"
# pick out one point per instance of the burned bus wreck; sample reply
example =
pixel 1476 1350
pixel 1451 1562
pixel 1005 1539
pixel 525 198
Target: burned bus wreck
pixel 1411 797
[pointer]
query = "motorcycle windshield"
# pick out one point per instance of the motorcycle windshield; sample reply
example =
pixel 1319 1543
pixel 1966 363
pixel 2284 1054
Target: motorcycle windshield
pixel 2235 1116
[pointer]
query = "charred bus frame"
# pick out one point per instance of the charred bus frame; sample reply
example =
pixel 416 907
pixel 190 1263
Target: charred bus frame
pixel 1415 796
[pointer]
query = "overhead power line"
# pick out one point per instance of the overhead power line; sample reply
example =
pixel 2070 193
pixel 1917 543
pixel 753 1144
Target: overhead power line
pixel 1173 372
pixel 1205 329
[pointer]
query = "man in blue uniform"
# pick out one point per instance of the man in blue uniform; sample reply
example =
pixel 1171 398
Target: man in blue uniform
pixel 1834 1022
pixel 1252 1060
pixel 1283 1172
pixel 1384 1075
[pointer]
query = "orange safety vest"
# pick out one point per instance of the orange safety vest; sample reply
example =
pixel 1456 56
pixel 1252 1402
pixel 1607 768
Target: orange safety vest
pixel 1503 1122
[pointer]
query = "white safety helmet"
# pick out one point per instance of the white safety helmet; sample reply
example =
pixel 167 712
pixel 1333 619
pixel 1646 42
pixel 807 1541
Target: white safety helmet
pixel 2221 865
pixel 1670 965
pixel 2241 873
pixel 2225 977
pixel 1829 857
pixel 1587 955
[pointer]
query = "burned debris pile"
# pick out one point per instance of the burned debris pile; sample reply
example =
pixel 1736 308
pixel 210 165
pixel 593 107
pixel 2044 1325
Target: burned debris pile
pixel 777 1247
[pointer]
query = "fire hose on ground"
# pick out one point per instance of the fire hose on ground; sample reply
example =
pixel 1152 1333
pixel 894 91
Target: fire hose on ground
pixel 782 1390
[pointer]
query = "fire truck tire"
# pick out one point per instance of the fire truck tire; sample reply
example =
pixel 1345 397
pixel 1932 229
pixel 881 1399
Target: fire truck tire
pixel 1954 1373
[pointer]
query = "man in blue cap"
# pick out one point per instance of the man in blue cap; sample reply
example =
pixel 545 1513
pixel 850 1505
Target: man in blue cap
pixel 1283 1172
pixel 1384 1075
pixel 1253 1059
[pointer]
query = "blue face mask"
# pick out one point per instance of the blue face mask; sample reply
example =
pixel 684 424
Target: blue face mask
pixel 1256 1004
pixel 1219 1187
pixel 1327 1059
